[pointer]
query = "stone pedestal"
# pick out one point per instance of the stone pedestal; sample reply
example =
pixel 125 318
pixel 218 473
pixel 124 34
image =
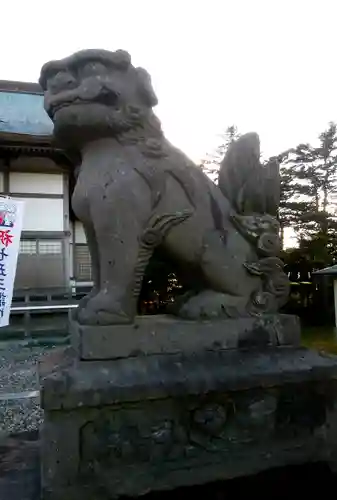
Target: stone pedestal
pixel 159 421
pixel 161 334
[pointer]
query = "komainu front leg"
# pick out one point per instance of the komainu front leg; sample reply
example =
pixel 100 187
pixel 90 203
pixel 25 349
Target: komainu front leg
pixel 103 309
pixel 95 268
pixel 115 303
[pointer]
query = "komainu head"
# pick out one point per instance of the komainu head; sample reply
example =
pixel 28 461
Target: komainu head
pixel 96 93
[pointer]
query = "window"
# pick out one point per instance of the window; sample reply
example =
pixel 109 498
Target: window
pixel 41 247
pixel 82 263
pixel 50 247
pixel 28 247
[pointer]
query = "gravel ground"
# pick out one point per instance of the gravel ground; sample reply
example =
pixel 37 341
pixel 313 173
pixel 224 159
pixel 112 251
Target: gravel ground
pixel 18 373
pixel 18 368
pixel 20 415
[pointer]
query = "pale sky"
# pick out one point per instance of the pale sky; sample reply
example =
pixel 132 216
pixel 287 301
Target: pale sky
pixel 264 65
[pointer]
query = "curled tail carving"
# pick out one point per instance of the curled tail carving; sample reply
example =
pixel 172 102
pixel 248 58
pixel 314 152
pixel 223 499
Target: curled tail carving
pixel 253 190
pixel 250 186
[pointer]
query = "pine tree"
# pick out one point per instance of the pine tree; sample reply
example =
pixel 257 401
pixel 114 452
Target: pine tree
pixel 315 169
pixel 292 203
pixel 309 185
pixel 210 165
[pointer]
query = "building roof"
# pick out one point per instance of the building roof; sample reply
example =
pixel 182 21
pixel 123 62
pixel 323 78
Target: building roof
pixel 327 271
pixel 22 112
pixel 14 86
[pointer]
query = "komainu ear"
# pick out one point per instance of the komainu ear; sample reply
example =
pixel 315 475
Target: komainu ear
pixel 145 88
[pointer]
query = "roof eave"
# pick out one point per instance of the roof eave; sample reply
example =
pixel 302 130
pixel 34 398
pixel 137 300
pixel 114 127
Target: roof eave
pixel 327 271
pixel 10 137
pixel 20 87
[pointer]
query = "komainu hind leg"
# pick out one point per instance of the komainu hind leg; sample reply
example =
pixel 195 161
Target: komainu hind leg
pixel 225 285
pixel 209 304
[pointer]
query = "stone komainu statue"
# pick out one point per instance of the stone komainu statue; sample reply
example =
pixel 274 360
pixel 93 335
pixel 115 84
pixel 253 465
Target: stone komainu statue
pixel 136 192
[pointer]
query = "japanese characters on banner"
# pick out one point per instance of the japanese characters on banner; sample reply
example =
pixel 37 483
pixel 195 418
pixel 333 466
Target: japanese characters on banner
pixel 11 214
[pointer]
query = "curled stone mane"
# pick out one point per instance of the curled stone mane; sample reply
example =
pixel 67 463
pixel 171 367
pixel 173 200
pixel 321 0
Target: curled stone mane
pixel 120 59
pixel 146 132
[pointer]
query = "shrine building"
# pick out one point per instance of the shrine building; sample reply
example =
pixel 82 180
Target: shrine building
pixel 53 249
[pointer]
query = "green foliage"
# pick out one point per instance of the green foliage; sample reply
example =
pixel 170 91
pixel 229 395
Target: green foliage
pixel 308 189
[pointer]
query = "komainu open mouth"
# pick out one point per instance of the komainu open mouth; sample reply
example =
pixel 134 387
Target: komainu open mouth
pixel 107 98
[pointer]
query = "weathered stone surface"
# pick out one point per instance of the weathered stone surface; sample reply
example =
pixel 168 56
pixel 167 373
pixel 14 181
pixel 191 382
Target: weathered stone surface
pixel 136 192
pixel 129 426
pixel 20 472
pixel 164 334
pixel 155 403
pixel 164 376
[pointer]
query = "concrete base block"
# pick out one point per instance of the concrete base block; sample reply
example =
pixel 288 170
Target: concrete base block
pixel 165 334
pixel 132 425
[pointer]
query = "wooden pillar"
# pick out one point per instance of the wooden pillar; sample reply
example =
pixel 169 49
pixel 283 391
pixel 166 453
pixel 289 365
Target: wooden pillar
pixel 335 299
pixel 7 165
pixel 66 247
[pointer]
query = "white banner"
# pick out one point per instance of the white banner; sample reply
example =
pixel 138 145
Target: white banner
pixel 11 215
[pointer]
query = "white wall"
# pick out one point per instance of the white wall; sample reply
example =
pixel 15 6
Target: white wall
pixel 79 233
pixel 1 182
pixel 41 214
pixel 24 182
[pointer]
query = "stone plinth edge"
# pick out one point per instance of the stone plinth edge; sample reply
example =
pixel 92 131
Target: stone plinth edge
pixel 152 335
